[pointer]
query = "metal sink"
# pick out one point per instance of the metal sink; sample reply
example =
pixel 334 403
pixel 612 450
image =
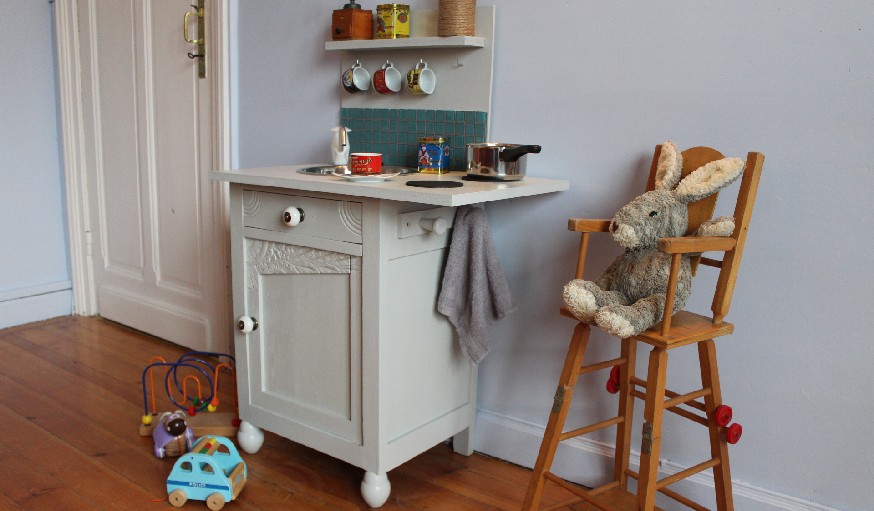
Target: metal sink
pixel 326 170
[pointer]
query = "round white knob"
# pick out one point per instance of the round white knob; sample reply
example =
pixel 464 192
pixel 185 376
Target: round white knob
pixel 246 324
pixel 292 216
pixel 436 225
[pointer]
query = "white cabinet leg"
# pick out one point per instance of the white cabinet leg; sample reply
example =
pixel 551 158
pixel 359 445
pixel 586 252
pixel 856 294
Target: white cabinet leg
pixel 462 443
pixel 375 488
pixel 250 438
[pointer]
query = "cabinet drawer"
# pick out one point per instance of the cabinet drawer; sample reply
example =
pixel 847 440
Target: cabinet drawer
pixel 319 218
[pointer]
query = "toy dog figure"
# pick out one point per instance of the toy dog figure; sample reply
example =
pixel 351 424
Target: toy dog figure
pixel 172 435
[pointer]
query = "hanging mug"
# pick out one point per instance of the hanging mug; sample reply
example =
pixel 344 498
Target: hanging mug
pixel 356 78
pixel 387 80
pixel 420 79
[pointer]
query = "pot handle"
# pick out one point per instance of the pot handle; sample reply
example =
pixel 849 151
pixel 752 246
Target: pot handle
pixel 517 152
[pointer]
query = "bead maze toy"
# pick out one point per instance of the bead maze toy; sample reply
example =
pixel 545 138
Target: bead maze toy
pixel 197 370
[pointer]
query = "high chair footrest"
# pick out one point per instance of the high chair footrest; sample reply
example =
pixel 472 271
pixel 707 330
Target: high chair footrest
pixel 618 499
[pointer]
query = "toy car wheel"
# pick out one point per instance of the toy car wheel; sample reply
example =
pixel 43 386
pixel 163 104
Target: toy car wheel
pixel 733 433
pixel 177 498
pixel 215 501
pixel 723 415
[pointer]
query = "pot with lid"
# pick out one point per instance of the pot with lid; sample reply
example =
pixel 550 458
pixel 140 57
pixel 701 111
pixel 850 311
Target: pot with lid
pixel 499 162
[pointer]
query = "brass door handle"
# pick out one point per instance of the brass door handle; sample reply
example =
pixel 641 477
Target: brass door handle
pixel 186 23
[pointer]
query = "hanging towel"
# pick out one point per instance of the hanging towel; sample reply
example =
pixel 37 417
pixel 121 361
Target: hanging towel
pixel 474 290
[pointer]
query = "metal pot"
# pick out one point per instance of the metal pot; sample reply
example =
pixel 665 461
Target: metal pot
pixel 500 162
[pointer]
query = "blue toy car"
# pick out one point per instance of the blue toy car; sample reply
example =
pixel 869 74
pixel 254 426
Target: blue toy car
pixel 212 471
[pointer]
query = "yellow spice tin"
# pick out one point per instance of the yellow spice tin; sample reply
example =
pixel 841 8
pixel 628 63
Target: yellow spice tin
pixel 392 21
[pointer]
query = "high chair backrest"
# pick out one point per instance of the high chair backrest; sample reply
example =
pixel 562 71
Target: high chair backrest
pixel 702 210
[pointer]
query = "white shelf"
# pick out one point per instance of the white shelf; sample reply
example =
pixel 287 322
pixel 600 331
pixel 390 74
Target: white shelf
pixel 458 41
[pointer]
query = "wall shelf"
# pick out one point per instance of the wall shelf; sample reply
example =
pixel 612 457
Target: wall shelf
pixel 460 41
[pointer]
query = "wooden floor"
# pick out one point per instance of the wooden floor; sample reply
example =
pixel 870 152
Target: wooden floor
pixel 70 405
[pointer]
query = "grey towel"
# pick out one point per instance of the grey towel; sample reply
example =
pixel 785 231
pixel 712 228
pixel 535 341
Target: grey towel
pixel 474 289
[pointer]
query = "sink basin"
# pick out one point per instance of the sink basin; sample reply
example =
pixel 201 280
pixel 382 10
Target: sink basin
pixel 326 170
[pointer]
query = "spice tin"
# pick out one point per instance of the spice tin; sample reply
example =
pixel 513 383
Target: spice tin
pixel 433 155
pixel 365 163
pixel 392 21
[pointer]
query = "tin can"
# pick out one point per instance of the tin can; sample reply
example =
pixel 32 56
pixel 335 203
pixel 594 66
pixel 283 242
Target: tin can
pixel 392 21
pixel 365 163
pixel 433 155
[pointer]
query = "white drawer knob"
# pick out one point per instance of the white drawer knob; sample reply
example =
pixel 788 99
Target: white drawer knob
pixel 436 225
pixel 292 216
pixel 246 324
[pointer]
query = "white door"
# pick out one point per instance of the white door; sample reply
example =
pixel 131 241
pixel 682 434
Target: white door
pixel 157 229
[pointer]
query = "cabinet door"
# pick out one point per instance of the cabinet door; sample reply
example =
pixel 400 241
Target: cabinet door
pixel 303 363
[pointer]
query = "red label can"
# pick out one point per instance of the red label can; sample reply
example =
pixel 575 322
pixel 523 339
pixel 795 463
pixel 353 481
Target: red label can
pixel 365 163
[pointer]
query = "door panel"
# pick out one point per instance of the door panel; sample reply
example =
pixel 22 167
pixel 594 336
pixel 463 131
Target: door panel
pixel 175 92
pixel 118 177
pixel 306 371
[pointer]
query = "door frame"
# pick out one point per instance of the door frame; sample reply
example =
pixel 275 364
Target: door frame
pixel 72 137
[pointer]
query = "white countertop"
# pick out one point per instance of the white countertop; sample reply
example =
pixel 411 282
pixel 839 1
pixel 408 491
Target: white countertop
pixel 396 188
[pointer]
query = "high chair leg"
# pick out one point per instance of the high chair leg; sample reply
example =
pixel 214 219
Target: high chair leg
pixel 718 444
pixel 563 395
pixel 626 410
pixel 651 442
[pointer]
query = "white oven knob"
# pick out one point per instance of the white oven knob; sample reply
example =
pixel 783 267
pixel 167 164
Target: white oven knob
pixel 436 225
pixel 246 324
pixel 292 216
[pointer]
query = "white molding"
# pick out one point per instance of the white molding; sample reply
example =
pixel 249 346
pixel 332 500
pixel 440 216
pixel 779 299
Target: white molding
pixel 35 304
pixel 220 69
pixel 582 460
pixel 84 297
pixel 42 289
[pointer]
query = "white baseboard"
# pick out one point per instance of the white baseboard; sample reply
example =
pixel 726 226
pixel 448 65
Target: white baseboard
pixel 27 305
pixel 588 462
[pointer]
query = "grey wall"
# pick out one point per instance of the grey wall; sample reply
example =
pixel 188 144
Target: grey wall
pixel 34 275
pixel 598 84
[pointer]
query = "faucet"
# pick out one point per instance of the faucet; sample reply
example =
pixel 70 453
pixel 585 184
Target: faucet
pixel 343 139
pixel 340 146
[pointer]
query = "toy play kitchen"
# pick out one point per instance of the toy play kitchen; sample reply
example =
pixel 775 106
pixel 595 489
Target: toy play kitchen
pixel 336 275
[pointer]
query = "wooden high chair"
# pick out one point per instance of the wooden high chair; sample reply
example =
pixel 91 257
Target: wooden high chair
pixel 685 328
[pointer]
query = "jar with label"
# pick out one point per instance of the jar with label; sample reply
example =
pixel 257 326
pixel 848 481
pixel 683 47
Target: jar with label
pixel 433 155
pixel 392 21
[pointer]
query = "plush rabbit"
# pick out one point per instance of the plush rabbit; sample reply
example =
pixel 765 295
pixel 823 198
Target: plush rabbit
pixel 630 296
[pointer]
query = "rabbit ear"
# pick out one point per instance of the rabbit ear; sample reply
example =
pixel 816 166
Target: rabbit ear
pixel 669 168
pixel 709 179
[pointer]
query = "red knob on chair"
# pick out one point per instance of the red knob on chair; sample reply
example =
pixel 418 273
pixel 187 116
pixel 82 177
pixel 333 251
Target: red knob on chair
pixel 723 415
pixel 613 381
pixel 733 433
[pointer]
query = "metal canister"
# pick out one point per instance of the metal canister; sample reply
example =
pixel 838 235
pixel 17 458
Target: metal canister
pixel 392 21
pixel 433 155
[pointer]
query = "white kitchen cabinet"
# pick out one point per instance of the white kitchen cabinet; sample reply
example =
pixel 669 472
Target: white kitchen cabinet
pixel 350 356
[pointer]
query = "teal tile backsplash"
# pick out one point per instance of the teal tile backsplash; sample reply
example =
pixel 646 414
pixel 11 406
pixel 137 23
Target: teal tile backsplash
pixel 395 133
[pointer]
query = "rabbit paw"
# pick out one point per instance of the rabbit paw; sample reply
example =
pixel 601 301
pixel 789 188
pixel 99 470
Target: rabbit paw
pixel 580 301
pixel 613 322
